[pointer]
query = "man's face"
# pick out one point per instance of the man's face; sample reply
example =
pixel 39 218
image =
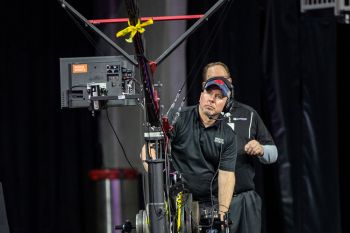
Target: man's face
pixel 216 70
pixel 212 101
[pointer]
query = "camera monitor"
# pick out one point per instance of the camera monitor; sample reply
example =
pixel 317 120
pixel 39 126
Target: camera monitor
pixel 97 82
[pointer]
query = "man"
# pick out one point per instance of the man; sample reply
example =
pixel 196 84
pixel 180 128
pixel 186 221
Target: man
pixel 202 149
pixel 254 142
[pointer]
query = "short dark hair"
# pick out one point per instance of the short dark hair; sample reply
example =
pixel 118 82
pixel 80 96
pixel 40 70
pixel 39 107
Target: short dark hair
pixel 218 63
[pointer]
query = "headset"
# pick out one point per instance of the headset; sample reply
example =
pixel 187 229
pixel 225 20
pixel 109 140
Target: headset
pixel 229 102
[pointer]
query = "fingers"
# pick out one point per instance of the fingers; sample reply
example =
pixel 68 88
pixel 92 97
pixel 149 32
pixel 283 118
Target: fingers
pixel 151 151
pixel 254 148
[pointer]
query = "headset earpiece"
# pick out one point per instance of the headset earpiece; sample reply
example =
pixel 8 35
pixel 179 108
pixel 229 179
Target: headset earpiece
pixel 230 100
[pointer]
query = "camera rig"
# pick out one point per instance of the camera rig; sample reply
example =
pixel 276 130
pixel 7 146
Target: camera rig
pixel 170 207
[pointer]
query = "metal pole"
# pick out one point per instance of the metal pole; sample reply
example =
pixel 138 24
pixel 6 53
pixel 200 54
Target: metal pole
pixel 156 206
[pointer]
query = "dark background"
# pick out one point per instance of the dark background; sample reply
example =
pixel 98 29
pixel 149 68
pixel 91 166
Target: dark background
pixel 291 67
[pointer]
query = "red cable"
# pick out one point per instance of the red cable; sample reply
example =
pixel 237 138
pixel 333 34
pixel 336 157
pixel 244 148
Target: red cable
pixel 156 18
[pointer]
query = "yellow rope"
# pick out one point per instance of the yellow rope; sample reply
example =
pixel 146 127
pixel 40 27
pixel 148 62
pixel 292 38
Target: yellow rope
pixel 134 29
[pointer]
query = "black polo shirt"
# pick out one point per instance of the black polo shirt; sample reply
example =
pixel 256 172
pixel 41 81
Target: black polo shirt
pixel 198 152
pixel 248 126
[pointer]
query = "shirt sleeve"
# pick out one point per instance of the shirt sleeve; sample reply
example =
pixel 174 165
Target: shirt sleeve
pixel 229 154
pixel 176 125
pixel 270 154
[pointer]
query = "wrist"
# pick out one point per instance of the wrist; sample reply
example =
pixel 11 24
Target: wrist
pixel 223 209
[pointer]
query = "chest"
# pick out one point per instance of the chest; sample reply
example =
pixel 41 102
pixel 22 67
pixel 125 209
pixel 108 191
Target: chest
pixel 245 129
pixel 204 142
pixel 244 126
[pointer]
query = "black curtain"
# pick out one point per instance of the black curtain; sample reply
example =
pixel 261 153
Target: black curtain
pixel 343 51
pixel 320 132
pixel 284 65
pixel 46 152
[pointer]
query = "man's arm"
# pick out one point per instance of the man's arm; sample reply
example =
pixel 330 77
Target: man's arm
pixel 143 154
pixel 226 183
pixel 263 147
pixel 266 153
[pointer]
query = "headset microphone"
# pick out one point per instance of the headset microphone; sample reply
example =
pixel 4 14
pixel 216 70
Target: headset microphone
pixel 212 117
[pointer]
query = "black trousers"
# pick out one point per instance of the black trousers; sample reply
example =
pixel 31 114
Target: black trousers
pixel 245 213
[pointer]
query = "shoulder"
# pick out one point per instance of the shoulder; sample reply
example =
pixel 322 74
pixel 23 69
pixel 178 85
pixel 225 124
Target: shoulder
pixel 186 113
pixel 243 108
pixel 244 112
pixel 188 109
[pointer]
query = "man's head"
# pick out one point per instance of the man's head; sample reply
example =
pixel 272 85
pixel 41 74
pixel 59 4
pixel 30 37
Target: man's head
pixel 216 69
pixel 214 96
pixel 219 69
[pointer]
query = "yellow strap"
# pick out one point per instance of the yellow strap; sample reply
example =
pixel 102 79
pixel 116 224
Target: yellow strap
pixel 179 205
pixel 134 29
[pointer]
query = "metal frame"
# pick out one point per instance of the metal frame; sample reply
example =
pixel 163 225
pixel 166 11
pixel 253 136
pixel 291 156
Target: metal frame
pixel 340 6
pixel 306 5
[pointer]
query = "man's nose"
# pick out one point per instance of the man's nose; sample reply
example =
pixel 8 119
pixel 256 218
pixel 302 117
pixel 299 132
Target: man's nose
pixel 211 98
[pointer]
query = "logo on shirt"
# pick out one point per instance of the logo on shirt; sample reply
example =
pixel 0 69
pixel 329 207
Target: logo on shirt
pixel 219 140
pixel 239 118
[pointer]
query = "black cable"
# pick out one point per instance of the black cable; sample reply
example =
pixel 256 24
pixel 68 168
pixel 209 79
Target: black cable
pixel 167 148
pixel 212 180
pixel 116 135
